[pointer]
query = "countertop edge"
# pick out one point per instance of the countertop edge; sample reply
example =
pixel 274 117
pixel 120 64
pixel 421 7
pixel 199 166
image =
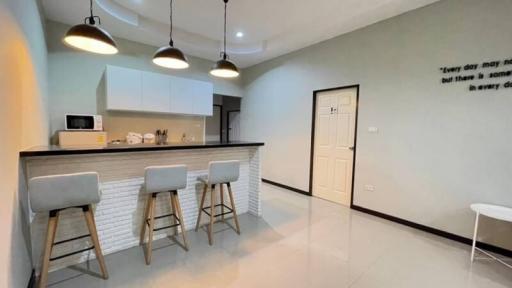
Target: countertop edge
pixel 25 154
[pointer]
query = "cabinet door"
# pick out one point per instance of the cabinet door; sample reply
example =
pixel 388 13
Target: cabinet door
pixel 124 88
pixel 156 92
pixel 191 97
pixel 204 100
pixel 182 101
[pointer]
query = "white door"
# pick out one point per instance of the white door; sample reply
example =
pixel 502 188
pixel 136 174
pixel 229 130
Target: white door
pixel 234 126
pixel 334 145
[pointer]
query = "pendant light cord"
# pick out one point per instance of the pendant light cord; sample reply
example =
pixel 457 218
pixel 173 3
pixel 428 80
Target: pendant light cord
pixel 92 17
pixel 224 54
pixel 171 42
pixel 91 9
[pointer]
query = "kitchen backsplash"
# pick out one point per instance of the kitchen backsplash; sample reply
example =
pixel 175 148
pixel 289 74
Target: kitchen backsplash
pixel 118 124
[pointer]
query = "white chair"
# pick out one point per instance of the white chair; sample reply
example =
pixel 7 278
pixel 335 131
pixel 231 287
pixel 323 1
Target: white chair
pixel 492 211
pixel 163 179
pixel 219 172
pixel 52 194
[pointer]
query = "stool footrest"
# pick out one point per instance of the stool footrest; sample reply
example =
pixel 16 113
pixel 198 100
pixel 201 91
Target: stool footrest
pixel 165 227
pixel 205 210
pixel 72 239
pixel 72 253
pixel 167 215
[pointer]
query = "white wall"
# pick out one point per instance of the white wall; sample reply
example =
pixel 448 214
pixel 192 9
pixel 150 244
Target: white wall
pixel 439 148
pixel 23 122
pixel 75 75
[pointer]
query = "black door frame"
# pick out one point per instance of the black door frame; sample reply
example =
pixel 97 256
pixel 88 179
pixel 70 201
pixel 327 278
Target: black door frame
pixel 227 123
pixel 312 155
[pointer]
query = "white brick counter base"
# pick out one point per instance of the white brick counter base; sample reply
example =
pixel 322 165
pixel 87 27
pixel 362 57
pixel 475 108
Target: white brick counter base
pixel 119 214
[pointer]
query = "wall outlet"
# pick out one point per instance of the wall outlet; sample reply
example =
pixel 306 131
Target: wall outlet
pixel 373 130
pixel 369 187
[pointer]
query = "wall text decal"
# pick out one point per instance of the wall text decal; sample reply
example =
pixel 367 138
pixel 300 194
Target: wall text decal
pixel 491 72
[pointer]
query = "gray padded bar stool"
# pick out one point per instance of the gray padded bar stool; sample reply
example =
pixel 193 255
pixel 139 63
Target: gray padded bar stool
pixel 163 179
pixel 52 194
pixel 219 172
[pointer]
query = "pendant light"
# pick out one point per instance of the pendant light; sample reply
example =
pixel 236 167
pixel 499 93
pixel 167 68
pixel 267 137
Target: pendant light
pixel 168 56
pixel 225 68
pixel 90 37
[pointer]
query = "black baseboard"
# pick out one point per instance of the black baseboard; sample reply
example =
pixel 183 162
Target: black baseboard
pixel 32 281
pixel 441 233
pixel 285 187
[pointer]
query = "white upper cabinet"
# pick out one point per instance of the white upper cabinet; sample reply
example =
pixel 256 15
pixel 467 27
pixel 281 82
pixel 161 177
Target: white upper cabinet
pixel 191 96
pixel 156 92
pixel 134 90
pixel 124 88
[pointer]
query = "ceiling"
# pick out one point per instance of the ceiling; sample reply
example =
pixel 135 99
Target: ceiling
pixel 271 27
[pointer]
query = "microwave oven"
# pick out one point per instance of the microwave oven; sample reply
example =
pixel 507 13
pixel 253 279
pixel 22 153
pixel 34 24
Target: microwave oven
pixel 83 122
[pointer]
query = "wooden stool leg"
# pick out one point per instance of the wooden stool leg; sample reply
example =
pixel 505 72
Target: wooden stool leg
pixel 222 201
pixel 205 189
pixel 50 237
pixel 149 248
pixel 235 217
pixel 177 208
pixel 172 203
pixel 475 235
pixel 89 218
pixel 146 213
pixel 212 215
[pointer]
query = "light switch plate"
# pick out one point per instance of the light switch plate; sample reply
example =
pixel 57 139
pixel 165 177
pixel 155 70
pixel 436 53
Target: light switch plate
pixel 369 187
pixel 373 130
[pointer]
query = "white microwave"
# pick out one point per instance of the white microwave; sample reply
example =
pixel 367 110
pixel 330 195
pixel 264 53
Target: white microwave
pixel 83 122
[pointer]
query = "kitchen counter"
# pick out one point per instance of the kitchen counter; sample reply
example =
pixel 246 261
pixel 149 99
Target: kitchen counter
pixel 119 214
pixel 120 148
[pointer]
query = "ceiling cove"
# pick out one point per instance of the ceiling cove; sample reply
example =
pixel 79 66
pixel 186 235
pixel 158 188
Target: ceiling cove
pixel 270 28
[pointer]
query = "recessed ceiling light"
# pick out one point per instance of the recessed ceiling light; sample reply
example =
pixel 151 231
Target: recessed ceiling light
pixel 239 34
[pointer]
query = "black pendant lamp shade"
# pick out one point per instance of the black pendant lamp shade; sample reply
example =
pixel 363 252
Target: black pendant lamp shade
pixel 90 37
pixel 169 56
pixel 225 68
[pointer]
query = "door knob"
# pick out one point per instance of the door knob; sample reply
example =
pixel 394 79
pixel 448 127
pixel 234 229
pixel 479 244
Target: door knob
pixel 351 148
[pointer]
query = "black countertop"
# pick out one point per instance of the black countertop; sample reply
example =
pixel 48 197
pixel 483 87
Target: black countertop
pixel 123 148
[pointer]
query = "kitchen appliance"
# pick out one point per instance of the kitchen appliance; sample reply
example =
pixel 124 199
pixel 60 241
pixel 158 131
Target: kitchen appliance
pixel 82 138
pixel 83 122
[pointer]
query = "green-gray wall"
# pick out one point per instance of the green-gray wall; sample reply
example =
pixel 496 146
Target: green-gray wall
pixel 74 75
pixel 439 147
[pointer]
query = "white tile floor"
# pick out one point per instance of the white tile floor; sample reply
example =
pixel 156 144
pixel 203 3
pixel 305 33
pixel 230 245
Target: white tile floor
pixel 299 242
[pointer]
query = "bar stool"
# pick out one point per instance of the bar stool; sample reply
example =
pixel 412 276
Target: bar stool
pixel 53 194
pixel 219 172
pixel 163 179
pixel 496 212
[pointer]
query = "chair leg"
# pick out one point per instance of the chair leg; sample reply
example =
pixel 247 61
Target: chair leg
pixel 235 217
pixel 212 215
pixel 146 213
pixel 205 189
pixel 50 237
pixel 475 233
pixel 177 208
pixel 149 248
pixel 89 218
pixel 222 201
pixel 172 205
